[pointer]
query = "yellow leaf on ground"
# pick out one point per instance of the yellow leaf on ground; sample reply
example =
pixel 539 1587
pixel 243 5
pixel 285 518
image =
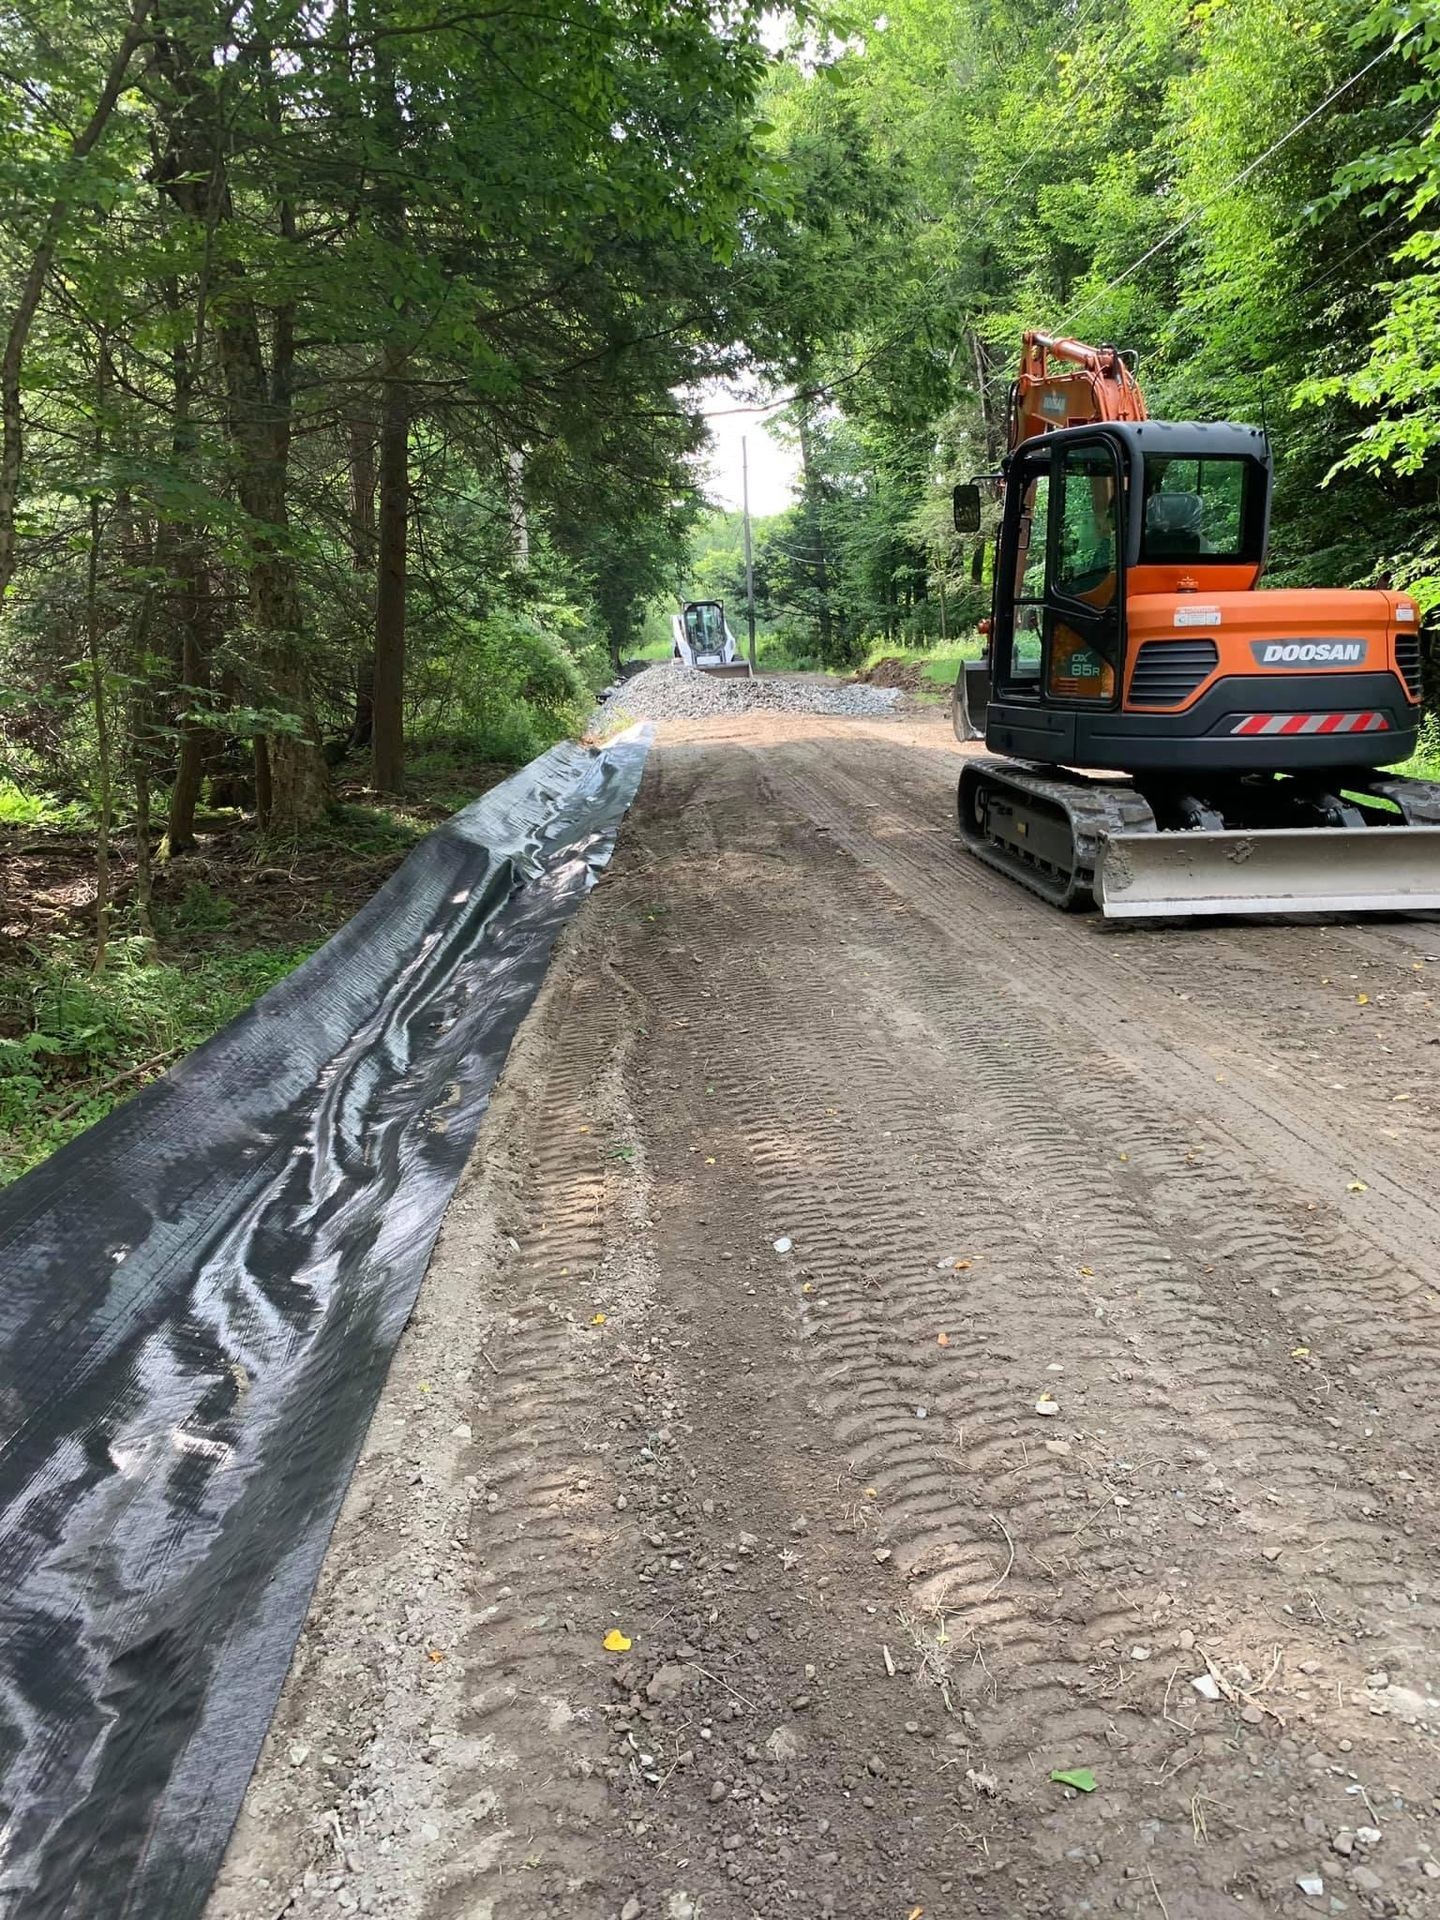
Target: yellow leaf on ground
pixel 1358 1186
pixel 962 1266
pixel 584 1129
pixel 1087 1273
pixel 1362 999
pixel 808 1287
pixel 1300 1353
pixel 597 1319
pixel 615 1641
pixel 434 1653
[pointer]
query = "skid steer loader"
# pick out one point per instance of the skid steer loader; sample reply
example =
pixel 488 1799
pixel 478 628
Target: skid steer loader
pixel 702 638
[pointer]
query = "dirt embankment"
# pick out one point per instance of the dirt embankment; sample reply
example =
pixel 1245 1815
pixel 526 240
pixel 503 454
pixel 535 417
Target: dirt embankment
pixel 908 675
pixel 953 1345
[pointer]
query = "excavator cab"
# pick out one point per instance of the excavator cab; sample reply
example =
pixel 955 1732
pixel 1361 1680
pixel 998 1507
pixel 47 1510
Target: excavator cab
pixel 1101 524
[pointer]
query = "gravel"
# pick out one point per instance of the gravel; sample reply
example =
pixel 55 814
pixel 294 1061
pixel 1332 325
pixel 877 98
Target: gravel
pixel 682 693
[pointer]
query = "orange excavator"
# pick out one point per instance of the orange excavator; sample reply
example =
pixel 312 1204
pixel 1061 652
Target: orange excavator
pixel 1178 741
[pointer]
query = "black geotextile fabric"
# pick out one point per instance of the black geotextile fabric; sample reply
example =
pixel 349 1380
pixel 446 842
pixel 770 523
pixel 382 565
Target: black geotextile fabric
pixel 199 1299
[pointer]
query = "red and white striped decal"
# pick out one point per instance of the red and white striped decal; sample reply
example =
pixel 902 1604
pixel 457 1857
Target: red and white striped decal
pixel 1312 723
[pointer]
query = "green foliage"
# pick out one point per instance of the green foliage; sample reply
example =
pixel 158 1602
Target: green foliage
pixel 199 910
pixel 1260 230
pixel 67 1036
pixel 20 808
pixel 515 686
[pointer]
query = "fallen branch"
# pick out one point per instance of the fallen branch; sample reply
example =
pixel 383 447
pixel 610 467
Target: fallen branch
pixel 109 1086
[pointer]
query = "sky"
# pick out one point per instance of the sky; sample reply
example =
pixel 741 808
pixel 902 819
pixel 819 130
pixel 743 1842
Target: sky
pixel 773 468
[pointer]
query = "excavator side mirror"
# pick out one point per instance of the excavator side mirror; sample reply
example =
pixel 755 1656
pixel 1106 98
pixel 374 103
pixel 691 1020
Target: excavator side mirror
pixel 967 508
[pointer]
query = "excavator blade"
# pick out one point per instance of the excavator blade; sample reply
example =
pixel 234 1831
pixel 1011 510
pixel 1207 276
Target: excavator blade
pixel 1272 870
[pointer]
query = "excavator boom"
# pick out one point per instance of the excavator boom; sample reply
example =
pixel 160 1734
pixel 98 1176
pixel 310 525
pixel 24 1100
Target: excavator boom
pixel 1063 383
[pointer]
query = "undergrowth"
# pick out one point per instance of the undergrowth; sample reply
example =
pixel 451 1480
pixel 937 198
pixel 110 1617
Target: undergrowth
pixel 74 1044
pixel 1424 763
pixel 21 808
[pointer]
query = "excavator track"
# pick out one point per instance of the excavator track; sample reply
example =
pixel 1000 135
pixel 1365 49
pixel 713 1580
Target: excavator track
pixel 1078 842
pixel 1046 829
pixel 1418 800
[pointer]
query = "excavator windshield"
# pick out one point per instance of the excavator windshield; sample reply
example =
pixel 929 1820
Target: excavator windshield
pixel 1201 507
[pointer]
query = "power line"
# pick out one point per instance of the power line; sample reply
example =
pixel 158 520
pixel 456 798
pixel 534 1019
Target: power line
pixel 1101 72
pixel 1234 181
pixel 893 339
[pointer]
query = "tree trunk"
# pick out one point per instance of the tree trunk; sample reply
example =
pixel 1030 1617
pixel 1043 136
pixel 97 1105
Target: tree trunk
pixel 519 512
pixel 194 739
pixel 179 544
pixel 258 410
pixel 143 889
pixel 982 395
pixel 101 715
pixel 817 539
pixel 264 793
pixel 390 582
pixel 12 421
pixel 362 560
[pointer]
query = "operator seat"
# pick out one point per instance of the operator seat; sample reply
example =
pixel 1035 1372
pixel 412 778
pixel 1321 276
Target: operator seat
pixel 1172 525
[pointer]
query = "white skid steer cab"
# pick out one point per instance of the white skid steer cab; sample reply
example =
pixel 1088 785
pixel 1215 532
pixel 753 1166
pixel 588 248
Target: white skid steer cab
pixel 703 639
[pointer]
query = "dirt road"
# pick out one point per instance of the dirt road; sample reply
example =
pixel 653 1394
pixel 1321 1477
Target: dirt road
pixel 1103 1359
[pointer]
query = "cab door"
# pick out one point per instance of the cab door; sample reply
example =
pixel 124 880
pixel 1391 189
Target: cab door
pixel 1083 601
pixel 1018 636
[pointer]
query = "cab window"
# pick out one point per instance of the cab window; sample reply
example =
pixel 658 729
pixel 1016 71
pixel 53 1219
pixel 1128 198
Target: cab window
pixel 1198 508
pixel 1030 560
pixel 1086 554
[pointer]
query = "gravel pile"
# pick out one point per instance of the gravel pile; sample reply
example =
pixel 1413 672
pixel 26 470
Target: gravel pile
pixel 681 693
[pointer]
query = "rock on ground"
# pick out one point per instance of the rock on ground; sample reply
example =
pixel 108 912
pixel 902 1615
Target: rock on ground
pixel 684 693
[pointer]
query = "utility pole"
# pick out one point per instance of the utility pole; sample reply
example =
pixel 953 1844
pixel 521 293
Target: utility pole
pixel 749 564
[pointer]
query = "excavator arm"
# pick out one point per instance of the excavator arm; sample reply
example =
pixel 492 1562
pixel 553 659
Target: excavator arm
pixel 1063 383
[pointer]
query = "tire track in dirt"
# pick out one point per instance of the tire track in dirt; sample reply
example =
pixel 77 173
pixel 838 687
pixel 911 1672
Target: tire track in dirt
pixel 1220 1216
pixel 452 1664
pixel 1194 1372
pixel 1213 980
pixel 1397 1223
pixel 789 1011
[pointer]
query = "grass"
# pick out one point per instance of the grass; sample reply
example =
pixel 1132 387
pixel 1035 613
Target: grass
pixel 1424 763
pixel 72 1045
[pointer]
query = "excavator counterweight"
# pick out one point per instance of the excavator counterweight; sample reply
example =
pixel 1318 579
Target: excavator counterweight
pixel 1176 740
